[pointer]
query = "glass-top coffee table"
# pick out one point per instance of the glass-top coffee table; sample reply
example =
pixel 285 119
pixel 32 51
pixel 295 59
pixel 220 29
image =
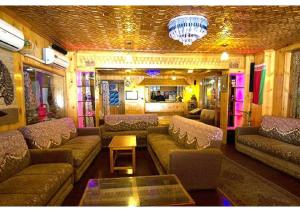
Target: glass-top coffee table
pixel 160 190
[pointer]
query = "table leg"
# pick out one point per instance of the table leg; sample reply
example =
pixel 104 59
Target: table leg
pixel 111 160
pixel 133 160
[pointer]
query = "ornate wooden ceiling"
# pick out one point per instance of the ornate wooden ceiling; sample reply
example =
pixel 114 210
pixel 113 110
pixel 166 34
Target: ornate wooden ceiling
pixel 245 29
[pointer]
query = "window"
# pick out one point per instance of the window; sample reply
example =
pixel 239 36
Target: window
pixel 44 95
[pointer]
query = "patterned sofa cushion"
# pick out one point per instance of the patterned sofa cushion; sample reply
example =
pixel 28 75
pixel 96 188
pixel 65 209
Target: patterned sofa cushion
pixel 284 129
pixel 14 154
pixel 67 128
pixel 49 134
pixel 162 145
pixel 193 134
pixel 43 135
pixel 208 116
pixel 272 146
pixel 129 122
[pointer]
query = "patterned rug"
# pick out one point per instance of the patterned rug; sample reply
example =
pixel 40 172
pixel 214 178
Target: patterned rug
pixel 245 188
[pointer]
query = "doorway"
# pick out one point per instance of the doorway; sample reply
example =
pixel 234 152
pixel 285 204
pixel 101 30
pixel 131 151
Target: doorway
pixel 113 97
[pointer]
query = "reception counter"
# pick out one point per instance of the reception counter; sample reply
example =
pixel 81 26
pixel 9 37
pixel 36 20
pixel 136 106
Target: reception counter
pixel 165 107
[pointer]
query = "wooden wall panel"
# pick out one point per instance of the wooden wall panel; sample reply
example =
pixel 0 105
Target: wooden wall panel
pixel 269 60
pixel 286 83
pixel 279 84
pixel 39 43
pixel 71 88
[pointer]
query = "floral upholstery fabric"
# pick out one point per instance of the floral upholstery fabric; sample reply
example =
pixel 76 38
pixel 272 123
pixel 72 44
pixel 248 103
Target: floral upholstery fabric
pixel 66 128
pixel 192 133
pixel 162 145
pixel 43 135
pixel 271 146
pixel 130 122
pixel 14 154
pixel 49 134
pixel 42 181
pixel 284 129
pixel 179 139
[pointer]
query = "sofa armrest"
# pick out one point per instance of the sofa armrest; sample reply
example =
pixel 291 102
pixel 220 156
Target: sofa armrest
pixel 196 169
pixel 51 156
pixel 159 129
pixel 88 131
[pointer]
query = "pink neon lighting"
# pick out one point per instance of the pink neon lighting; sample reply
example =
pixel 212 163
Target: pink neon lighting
pixel 239 99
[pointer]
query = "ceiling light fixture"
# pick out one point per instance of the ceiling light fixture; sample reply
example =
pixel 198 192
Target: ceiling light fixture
pixel 173 77
pixel 224 56
pixel 190 71
pixel 152 72
pixel 188 28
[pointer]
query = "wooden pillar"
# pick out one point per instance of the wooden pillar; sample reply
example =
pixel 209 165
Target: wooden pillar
pixel 224 107
pixel 71 88
pixel 269 60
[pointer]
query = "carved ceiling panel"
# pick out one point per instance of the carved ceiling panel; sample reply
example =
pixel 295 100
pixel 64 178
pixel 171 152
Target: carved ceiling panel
pixel 246 29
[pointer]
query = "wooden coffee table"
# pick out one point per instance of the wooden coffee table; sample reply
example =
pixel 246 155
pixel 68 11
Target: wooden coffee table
pixel 122 143
pixel 157 190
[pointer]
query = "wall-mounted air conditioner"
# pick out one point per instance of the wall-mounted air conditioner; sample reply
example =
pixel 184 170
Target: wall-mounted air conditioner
pixel 10 37
pixel 50 56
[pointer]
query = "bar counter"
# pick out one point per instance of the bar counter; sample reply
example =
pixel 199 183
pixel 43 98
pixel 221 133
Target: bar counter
pixel 164 107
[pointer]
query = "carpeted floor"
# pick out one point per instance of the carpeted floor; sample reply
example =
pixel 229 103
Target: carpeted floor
pixel 245 188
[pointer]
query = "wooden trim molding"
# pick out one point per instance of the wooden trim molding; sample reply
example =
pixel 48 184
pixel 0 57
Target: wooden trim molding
pixel 31 62
pixel 109 59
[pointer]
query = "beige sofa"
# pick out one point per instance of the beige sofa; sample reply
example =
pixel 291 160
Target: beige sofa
pixel 189 149
pixel 84 143
pixel 33 177
pixel 133 124
pixel 276 143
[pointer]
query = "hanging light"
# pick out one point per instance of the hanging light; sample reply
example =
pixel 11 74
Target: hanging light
pixel 188 28
pixel 224 56
pixel 173 77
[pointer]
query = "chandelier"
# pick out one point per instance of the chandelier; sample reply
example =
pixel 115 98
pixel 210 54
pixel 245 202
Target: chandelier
pixel 188 28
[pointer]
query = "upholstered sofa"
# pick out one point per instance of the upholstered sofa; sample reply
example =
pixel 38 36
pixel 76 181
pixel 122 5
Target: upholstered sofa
pixel 189 149
pixel 127 125
pixel 208 116
pixel 84 143
pixel 33 177
pixel 276 142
